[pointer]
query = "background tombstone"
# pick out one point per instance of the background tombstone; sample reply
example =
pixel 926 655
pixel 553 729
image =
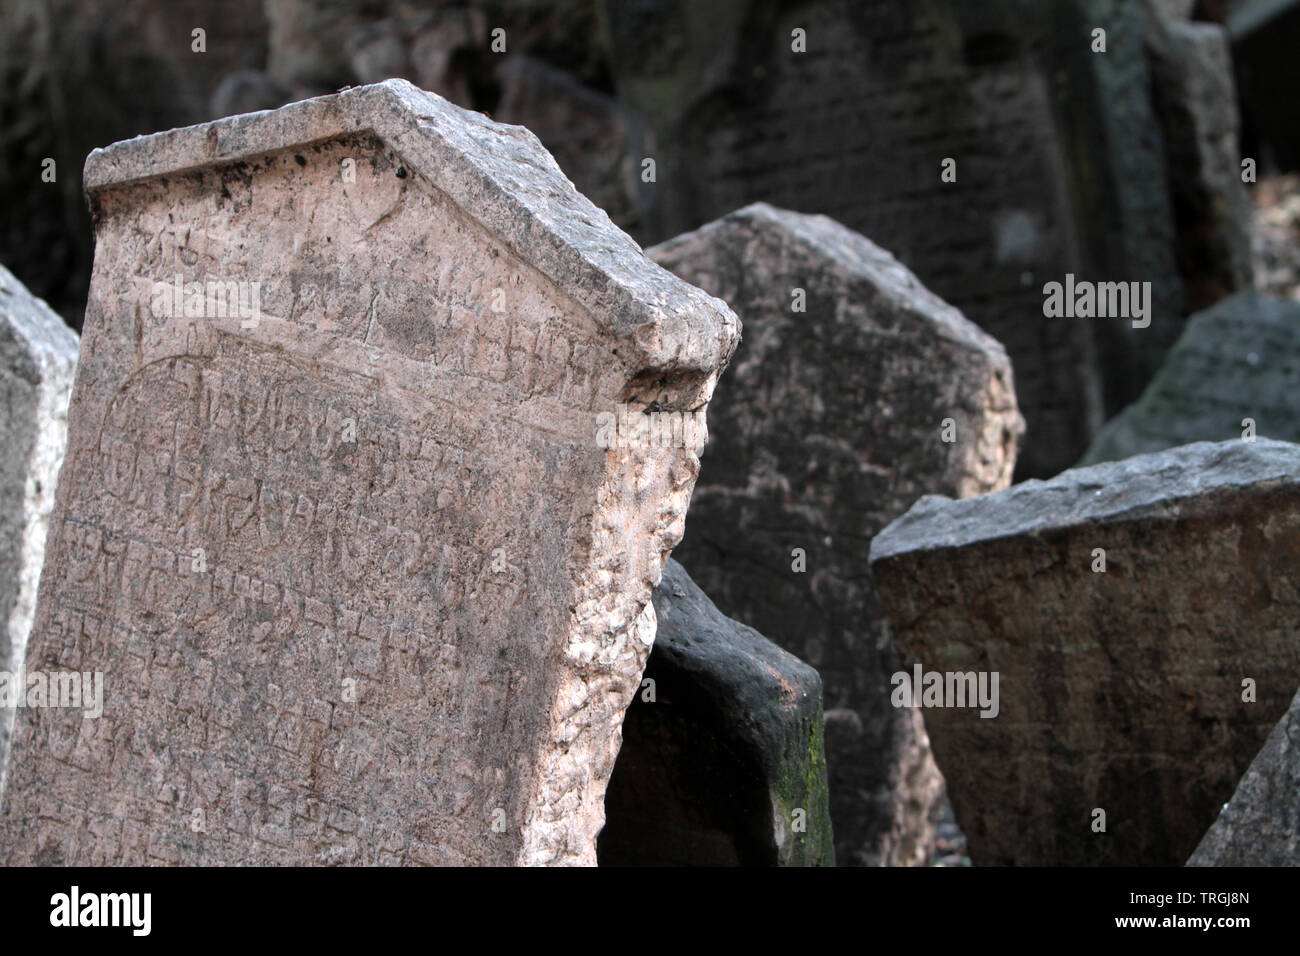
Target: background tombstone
pixel 1236 360
pixel 1058 162
pixel 836 416
pixel 1122 690
pixel 364 583
pixel 38 354
pixel 1260 826
pixel 1195 97
pixel 722 762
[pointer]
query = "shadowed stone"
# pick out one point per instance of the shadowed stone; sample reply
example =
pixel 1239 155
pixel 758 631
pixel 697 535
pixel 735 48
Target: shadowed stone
pixel 1260 826
pixel 722 761
pixel 831 424
pixel 1239 359
pixel 1059 163
pixel 38 354
pixel 1120 691
pixel 1195 97
pixel 364 582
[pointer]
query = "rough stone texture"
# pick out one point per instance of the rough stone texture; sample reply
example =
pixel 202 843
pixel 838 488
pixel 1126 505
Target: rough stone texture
pixel 1236 360
pixel 714 768
pixel 1119 690
pixel 1260 826
pixel 1196 99
pixel 1060 162
pixel 38 354
pixel 391 481
pixel 587 132
pixel 828 428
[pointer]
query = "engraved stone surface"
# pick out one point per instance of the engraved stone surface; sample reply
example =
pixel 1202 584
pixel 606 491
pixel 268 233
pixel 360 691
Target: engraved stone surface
pixel 830 424
pixel 1260 826
pixel 722 761
pixel 38 354
pixel 1059 163
pixel 364 583
pixel 1236 360
pixel 1119 690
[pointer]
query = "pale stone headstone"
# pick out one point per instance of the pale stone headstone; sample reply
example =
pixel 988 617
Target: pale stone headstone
pixel 855 392
pixel 722 762
pixel 1139 617
pixel 38 354
pixel 366 575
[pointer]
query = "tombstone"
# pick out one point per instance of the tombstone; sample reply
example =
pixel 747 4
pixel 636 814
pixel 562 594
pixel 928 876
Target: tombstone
pixel 722 762
pixel 38 354
pixel 1235 362
pixel 833 420
pixel 1195 97
pixel 1058 163
pixel 1260 825
pixel 341 524
pixel 1139 617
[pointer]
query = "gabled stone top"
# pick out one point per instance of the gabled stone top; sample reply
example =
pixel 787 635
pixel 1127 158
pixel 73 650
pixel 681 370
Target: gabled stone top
pixel 501 176
pixel 1145 486
pixel 823 238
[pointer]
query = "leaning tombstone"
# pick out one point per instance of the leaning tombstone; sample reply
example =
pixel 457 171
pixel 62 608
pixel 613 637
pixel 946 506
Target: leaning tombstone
pixel 1099 656
pixel 38 354
pixel 722 762
pixel 855 392
pixel 1232 374
pixel 336 527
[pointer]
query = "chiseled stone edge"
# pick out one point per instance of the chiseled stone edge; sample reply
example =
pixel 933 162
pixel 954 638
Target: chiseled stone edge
pixel 1144 486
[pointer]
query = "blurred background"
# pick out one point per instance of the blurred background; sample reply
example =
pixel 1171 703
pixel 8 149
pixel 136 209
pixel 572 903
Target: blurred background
pixel 1117 165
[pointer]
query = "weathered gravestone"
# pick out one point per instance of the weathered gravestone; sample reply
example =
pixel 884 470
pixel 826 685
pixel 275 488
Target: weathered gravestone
pixel 1129 611
pixel 337 524
pixel 1238 360
pixel 722 761
pixel 1195 98
pixel 38 354
pixel 1260 826
pixel 856 392
pixel 984 144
